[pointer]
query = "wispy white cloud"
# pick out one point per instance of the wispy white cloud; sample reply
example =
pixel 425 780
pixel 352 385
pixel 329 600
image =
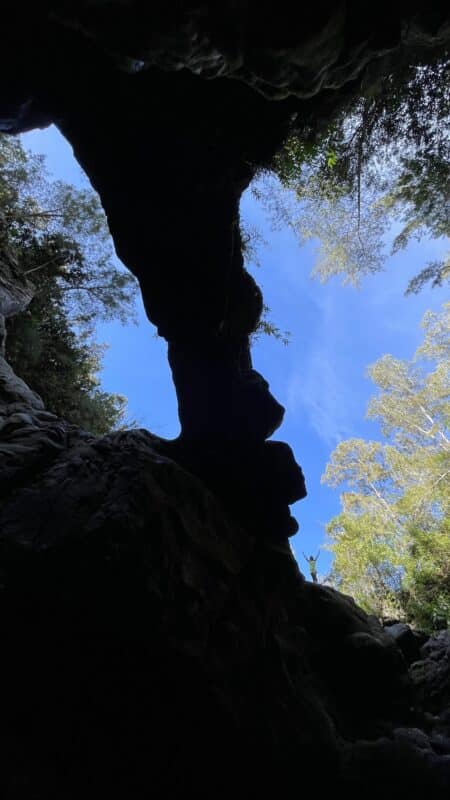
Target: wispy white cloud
pixel 319 391
pixel 322 387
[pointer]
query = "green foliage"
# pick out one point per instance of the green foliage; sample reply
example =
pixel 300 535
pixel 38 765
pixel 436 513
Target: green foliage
pixel 60 365
pixel 59 238
pixel 268 328
pixel 251 241
pixel 38 209
pixel 392 539
pixel 427 583
pixel 436 272
pixel 384 158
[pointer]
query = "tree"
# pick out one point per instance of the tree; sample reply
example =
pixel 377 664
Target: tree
pixel 391 541
pixel 384 157
pixel 251 241
pixel 37 209
pixel 57 362
pixel 57 235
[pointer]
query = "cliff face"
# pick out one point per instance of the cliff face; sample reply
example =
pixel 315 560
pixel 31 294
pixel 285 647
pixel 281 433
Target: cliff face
pixel 157 635
pixel 171 108
pixel 150 646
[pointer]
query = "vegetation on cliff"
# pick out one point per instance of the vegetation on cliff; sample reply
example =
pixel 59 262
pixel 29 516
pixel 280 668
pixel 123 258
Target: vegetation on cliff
pixel 57 234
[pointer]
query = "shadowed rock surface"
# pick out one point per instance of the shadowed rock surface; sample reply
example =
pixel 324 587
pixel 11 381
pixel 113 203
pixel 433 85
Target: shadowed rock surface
pixel 151 646
pixel 158 637
pixel 171 108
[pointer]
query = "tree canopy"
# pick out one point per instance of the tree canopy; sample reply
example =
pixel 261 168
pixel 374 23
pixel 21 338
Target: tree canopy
pixel 391 541
pixel 36 208
pixel 383 159
pixel 58 236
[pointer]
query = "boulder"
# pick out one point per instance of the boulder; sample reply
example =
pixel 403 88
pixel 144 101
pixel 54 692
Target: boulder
pixel 406 639
pixel 431 674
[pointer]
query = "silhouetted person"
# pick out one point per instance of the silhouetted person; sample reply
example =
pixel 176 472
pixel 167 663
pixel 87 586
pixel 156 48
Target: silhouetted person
pixel 312 563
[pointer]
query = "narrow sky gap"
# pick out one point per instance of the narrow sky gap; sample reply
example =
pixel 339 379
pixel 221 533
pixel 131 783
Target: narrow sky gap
pixel 336 332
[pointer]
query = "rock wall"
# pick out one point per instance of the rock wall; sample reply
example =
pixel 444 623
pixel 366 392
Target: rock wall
pixel 171 108
pixel 150 646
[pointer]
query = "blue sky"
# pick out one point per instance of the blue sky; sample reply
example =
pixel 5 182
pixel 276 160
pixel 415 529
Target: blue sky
pixel 320 377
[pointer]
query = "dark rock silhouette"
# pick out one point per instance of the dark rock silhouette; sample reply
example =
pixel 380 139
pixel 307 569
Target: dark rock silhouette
pixel 171 109
pixel 158 637
pixel 407 640
pixel 150 645
pixel 431 674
